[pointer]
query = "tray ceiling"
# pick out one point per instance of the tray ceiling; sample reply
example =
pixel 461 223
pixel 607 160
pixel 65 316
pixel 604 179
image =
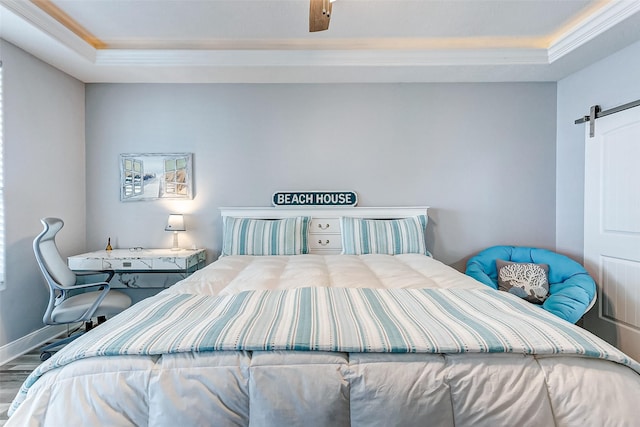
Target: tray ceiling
pixel 231 41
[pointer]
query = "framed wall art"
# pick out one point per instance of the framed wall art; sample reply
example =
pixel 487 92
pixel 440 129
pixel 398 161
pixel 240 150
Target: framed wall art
pixel 153 176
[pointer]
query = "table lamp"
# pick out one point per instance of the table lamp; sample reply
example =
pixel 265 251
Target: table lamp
pixel 175 223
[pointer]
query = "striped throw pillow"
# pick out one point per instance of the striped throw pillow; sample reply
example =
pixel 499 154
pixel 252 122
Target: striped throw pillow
pixel 383 236
pixel 248 236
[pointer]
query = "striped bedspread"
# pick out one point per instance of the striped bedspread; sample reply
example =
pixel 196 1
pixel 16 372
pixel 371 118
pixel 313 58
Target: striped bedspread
pixel 335 319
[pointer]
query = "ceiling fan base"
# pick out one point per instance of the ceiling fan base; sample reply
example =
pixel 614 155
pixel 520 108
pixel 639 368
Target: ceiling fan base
pixel 319 15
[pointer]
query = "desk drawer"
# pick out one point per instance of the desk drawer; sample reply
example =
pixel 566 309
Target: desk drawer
pixel 80 263
pixel 127 264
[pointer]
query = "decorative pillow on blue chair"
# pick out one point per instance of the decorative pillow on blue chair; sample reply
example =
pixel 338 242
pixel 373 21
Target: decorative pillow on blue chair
pixel 249 236
pixel 524 279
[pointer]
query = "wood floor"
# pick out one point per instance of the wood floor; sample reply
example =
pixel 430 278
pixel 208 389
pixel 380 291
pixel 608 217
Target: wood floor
pixel 12 375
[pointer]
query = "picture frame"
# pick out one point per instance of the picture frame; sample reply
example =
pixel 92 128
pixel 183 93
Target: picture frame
pixel 155 176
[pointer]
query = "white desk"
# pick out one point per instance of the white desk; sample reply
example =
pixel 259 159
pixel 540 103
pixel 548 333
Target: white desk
pixel 130 266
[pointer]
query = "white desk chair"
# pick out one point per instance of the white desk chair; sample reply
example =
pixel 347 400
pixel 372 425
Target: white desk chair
pixel 66 306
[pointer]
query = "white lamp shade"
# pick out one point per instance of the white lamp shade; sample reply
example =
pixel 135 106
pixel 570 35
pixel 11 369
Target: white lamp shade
pixel 175 223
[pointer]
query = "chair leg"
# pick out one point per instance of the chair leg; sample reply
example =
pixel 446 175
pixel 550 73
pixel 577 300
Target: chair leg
pixel 45 352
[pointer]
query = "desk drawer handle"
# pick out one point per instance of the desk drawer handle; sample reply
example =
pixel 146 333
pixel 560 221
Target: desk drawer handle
pixel 324 227
pixel 326 242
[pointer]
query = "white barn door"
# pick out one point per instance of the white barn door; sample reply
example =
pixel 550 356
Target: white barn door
pixel 612 228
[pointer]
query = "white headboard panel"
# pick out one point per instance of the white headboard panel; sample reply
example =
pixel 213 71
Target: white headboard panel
pixel 324 231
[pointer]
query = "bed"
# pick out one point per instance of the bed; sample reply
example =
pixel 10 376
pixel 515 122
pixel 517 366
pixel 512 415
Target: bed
pixel 302 330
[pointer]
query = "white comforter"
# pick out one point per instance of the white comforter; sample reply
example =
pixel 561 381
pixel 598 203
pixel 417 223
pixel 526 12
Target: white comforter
pixel 321 388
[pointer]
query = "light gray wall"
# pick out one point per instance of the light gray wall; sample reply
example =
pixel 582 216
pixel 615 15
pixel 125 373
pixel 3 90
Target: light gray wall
pixel 44 175
pixel 481 155
pixel 610 82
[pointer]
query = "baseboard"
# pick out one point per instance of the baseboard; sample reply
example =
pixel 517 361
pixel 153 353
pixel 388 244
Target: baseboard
pixel 27 343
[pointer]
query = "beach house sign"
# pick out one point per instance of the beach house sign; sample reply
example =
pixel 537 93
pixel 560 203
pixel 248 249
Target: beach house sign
pixel 315 198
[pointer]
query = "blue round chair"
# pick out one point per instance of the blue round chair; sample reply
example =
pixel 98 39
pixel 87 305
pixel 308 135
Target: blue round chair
pixel 572 291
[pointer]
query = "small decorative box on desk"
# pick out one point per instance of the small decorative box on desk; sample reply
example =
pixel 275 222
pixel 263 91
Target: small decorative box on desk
pixel 131 265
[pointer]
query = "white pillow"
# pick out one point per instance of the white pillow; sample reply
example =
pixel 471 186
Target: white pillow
pixel 249 236
pixel 383 236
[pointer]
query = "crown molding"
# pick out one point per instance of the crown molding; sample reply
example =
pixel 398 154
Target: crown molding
pixel 42 21
pixel 605 18
pixel 319 58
